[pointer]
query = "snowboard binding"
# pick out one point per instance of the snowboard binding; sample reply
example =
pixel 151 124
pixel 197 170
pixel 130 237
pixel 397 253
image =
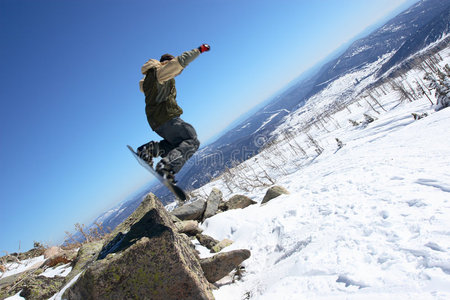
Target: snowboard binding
pixel 148 151
pixel 165 172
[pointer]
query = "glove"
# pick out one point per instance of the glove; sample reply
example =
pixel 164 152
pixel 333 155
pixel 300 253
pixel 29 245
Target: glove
pixel 204 48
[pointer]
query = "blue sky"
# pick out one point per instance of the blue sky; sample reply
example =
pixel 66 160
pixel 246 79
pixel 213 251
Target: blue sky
pixel 70 100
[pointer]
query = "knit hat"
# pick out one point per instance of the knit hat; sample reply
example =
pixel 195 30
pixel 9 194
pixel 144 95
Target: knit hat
pixel 166 56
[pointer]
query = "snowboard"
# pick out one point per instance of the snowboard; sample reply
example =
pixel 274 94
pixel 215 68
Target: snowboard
pixel 176 190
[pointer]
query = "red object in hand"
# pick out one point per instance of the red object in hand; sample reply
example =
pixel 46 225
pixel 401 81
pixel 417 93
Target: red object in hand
pixel 203 48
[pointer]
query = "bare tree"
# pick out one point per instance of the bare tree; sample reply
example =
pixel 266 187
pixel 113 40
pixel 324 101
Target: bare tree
pixel 373 108
pixel 315 144
pixel 81 229
pixel 375 100
pixel 404 94
pixel 228 179
pixel 71 240
pixel 422 91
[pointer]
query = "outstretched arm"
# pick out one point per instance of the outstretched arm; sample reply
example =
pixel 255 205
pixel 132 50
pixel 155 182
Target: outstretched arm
pixel 187 57
pixel 176 65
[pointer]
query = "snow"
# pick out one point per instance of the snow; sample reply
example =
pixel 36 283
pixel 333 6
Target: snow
pixel 347 81
pixel 33 263
pixel 368 220
pixel 15 297
pixel 274 114
pixel 392 28
pixel 246 125
pixel 61 271
pixel 22 266
pixel 359 50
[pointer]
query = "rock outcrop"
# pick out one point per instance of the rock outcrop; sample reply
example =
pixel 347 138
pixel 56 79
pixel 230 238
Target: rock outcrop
pixel 148 256
pixel 145 258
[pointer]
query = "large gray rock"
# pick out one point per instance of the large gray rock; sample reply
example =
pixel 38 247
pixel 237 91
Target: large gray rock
pixel 146 259
pixel 222 264
pixel 274 192
pixel 237 201
pixel 212 203
pixel 191 211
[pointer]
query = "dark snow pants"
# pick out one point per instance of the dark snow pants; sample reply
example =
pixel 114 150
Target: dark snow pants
pixel 179 144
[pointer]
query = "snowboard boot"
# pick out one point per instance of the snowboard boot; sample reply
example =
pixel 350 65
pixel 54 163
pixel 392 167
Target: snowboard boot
pixel 148 151
pixel 163 169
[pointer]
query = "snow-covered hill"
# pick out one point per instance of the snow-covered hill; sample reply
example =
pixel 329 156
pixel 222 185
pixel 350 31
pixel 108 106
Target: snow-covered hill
pixel 410 31
pixel 366 220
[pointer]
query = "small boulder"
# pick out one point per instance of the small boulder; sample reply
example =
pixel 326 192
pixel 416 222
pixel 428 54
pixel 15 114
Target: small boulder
pixel 237 201
pixel 274 192
pixel 212 203
pixel 189 227
pixel 220 265
pixel 191 211
pixel 206 241
pixel 222 244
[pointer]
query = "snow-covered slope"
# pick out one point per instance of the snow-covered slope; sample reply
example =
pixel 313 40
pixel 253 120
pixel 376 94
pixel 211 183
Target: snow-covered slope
pixel 402 36
pixel 369 220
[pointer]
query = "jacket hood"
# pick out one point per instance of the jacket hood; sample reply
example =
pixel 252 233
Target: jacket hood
pixel 150 64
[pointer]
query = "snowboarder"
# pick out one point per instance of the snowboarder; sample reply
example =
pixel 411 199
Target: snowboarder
pixel 163 114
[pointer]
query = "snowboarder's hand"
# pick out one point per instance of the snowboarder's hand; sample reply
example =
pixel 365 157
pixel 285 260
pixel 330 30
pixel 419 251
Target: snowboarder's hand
pixel 204 48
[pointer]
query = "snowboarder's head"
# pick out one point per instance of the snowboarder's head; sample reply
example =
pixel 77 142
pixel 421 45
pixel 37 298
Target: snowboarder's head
pixel 166 56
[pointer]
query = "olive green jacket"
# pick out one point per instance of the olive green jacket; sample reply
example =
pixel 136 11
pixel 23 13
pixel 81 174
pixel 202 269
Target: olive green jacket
pixel 158 85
